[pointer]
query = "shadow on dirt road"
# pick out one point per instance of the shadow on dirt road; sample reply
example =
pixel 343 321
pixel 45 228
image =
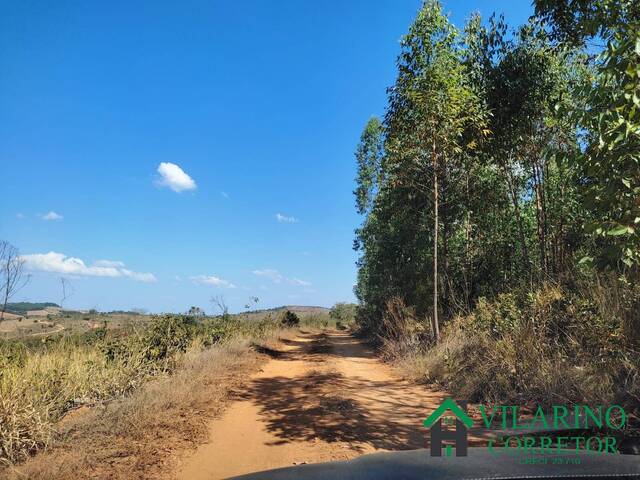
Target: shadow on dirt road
pixel 321 396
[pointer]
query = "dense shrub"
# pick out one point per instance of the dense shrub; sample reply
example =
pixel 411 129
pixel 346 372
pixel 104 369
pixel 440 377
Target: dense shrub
pixel 289 319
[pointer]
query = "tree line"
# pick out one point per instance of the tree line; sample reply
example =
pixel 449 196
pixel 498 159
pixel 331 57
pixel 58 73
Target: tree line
pixel 506 158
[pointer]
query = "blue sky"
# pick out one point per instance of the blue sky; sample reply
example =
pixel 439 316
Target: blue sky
pixel 251 110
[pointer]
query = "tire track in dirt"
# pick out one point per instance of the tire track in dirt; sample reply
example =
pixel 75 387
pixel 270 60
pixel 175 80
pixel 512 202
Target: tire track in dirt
pixel 324 397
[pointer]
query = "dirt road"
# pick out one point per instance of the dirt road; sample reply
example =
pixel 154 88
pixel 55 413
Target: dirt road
pixel 323 397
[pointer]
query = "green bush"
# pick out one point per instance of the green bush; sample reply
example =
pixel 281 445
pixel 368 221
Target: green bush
pixel 345 313
pixel 289 319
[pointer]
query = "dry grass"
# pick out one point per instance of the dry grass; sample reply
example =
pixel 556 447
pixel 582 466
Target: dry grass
pixel 135 437
pixel 142 393
pixel 37 390
pixel 517 369
pixel 548 346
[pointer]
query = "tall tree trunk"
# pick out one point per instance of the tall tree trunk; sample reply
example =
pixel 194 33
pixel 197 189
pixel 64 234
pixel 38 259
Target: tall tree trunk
pixel 516 207
pixel 467 238
pixel 5 301
pixel 6 289
pixel 540 215
pixel 446 287
pixel 436 327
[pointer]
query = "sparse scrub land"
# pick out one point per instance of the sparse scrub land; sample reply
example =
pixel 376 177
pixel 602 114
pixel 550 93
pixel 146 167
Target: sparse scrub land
pixel 134 436
pixel 499 249
pixel 135 378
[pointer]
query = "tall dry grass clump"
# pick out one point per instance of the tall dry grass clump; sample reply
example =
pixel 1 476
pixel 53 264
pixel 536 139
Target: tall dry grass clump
pixel 551 345
pixel 41 381
pixel 134 436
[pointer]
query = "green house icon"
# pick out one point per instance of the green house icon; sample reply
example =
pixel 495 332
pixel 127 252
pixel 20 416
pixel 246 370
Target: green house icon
pixel 448 404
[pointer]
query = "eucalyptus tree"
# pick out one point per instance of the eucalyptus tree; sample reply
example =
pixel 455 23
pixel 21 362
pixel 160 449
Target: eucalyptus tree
pixel 609 163
pixel 369 156
pixel 431 107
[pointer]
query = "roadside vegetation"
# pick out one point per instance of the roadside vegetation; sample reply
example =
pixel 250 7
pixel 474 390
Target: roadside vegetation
pixel 500 243
pixel 140 379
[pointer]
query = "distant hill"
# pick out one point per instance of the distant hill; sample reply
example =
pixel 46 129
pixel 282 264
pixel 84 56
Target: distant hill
pixel 293 308
pixel 301 311
pixel 22 308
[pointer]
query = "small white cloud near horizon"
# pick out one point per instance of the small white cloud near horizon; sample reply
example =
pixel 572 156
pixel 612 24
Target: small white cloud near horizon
pixel 276 277
pixel 54 262
pixel 173 177
pixel 269 273
pixel 51 216
pixel 211 280
pixel 19 216
pixel 224 194
pixel 285 219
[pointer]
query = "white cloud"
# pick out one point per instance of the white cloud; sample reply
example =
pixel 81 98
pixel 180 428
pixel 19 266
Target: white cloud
pixel 51 216
pixel 60 263
pixel 224 194
pixel 269 273
pixel 285 219
pixel 108 263
pixel 138 276
pixel 276 277
pixel 19 216
pixel 211 280
pixel 175 178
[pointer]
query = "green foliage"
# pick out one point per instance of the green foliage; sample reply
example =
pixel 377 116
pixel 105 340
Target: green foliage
pixel 289 319
pixel 368 156
pixel 610 164
pixel 472 171
pixel 573 21
pixel 343 312
pixel 507 198
pixel 608 167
